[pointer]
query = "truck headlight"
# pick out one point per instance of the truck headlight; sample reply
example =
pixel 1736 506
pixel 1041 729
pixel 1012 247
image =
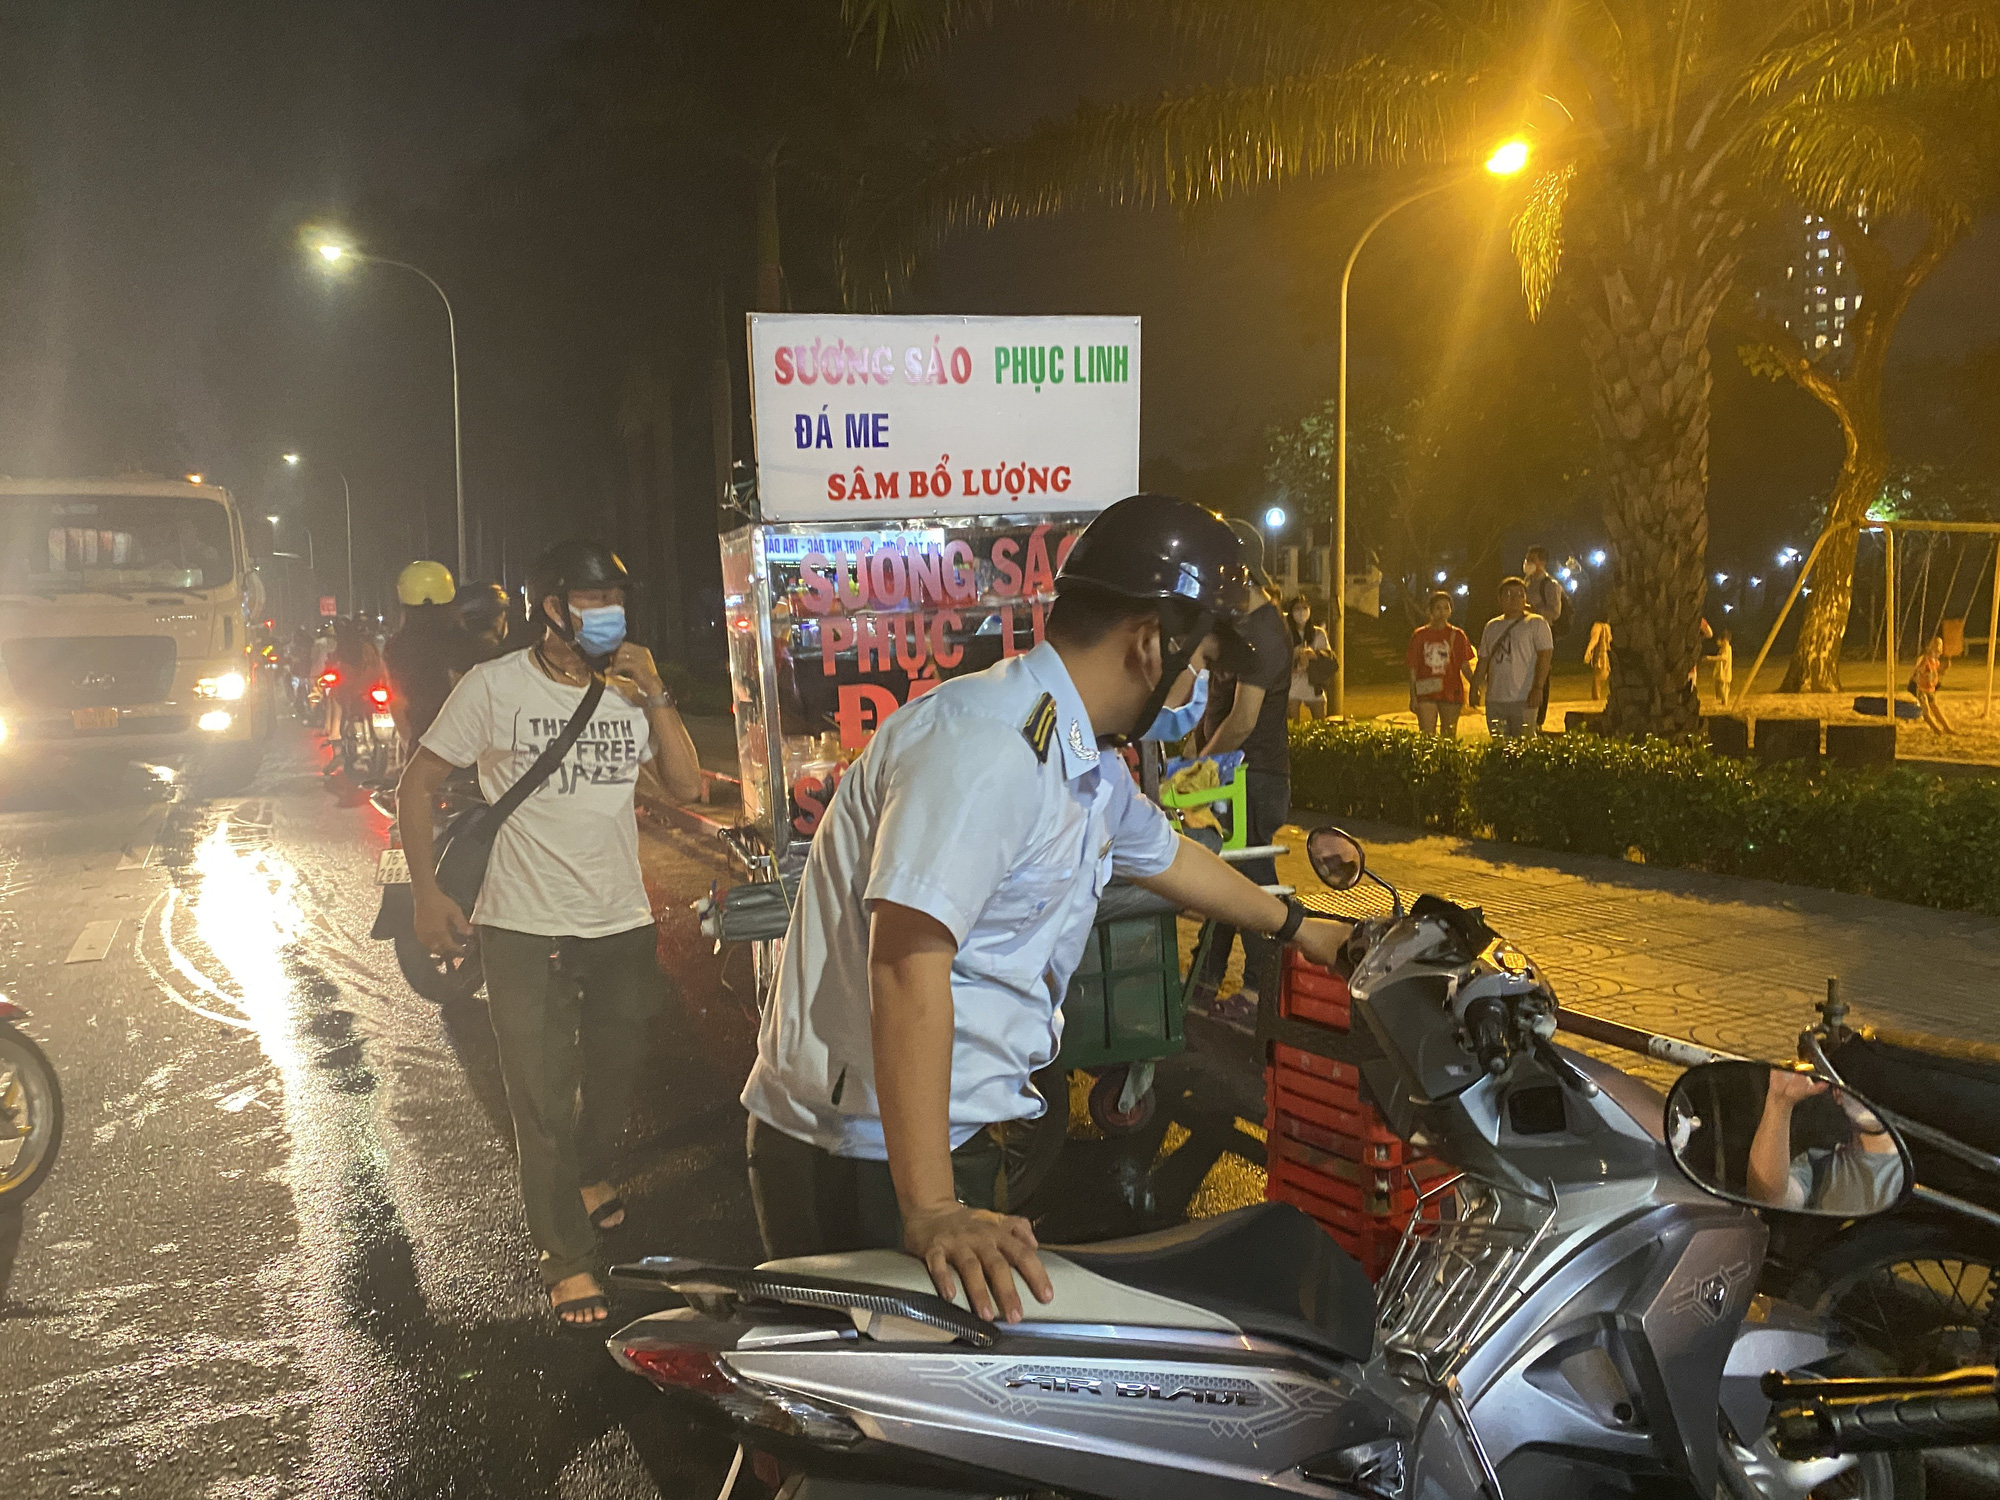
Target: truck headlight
pixel 228 686
pixel 215 720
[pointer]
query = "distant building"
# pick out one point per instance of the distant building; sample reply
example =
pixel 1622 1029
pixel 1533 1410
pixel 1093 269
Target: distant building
pixel 1818 296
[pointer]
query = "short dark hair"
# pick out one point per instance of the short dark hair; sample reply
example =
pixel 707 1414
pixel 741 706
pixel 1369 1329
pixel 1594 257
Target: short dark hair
pixel 1538 554
pixel 1437 594
pixel 1513 581
pixel 1083 614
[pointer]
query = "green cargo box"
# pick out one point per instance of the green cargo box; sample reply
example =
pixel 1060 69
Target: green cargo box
pixel 1124 1002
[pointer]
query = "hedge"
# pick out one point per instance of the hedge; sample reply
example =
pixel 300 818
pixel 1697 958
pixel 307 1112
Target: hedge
pixel 1897 834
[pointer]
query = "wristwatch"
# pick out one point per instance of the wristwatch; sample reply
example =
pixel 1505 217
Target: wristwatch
pixel 1295 915
pixel 664 698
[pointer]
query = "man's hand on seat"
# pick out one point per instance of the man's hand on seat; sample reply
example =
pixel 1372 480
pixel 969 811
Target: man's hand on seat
pixel 981 1249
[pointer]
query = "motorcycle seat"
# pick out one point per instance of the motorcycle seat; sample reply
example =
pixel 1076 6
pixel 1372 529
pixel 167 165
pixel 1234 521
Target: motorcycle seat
pixel 1081 1296
pixel 1268 1268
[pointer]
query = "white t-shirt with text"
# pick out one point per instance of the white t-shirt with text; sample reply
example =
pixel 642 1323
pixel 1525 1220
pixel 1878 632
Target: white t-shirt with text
pixel 1508 647
pixel 566 864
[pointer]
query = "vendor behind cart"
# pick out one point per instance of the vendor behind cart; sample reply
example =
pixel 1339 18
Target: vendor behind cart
pixel 947 900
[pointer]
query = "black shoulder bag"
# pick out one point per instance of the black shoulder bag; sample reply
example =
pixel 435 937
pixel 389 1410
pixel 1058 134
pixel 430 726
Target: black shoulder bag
pixel 467 842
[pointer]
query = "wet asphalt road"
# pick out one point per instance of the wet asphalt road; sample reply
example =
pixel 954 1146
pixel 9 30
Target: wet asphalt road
pixel 281 1253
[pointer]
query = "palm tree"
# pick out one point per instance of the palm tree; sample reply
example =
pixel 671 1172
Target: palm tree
pixel 1911 159
pixel 1660 126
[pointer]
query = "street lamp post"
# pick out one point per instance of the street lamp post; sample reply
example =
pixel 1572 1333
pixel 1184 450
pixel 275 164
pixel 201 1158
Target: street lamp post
pixel 1507 159
pixel 347 502
pixel 333 254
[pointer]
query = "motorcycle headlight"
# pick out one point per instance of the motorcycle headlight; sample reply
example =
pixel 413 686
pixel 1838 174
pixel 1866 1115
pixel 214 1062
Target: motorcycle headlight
pixel 228 686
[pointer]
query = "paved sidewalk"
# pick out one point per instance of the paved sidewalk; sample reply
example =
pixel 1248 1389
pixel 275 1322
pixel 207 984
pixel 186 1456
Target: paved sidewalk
pixel 1729 963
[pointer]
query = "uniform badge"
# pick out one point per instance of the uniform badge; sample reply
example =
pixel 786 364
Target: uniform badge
pixel 1084 752
pixel 1041 726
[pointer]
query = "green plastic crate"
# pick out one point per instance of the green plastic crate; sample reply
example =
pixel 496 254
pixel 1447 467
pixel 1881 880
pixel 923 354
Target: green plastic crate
pixel 1124 1001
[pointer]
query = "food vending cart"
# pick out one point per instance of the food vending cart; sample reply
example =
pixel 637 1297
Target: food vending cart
pixel 918 483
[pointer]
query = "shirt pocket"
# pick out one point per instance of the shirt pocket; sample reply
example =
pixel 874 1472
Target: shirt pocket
pixel 1028 894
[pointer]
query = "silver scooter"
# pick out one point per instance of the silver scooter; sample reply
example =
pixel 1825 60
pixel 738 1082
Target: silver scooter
pixel 1573 1313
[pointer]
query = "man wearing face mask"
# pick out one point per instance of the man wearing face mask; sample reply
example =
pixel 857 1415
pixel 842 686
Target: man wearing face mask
pixel 947 899
pixel 564 926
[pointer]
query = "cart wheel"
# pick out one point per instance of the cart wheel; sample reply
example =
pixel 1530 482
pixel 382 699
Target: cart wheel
pixel 1029 1149
pixel 1104 1105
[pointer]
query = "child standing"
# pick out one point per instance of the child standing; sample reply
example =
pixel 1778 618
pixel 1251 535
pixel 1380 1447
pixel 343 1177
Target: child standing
pixel 1924 686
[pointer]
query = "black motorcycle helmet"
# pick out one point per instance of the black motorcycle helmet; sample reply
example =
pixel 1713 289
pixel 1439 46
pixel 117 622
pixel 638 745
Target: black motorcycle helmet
pixel 1171 552
pixel 480 605
pixel 561 571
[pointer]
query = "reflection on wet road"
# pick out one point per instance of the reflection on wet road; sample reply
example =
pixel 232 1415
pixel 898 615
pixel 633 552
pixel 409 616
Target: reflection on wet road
pixel 282 1252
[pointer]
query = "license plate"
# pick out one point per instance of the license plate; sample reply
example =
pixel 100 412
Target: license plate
pixel 385 726
pixel 393 868
pixel 94 718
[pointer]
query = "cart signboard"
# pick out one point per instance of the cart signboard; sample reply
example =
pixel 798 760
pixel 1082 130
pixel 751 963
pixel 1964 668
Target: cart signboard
pixel 919 482
pixel 868 418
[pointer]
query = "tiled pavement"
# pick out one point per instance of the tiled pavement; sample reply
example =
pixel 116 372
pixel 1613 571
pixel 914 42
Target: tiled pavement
pixel 1729 963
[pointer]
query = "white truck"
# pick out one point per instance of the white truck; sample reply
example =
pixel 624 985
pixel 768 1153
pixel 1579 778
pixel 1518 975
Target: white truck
pixel 127 610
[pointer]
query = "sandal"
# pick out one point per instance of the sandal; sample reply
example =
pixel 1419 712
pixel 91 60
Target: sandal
pixel 610 1208
pixel 594 1304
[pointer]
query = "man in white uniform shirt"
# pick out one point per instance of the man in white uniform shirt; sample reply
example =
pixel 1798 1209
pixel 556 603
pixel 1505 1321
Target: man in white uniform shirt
pixel 947 899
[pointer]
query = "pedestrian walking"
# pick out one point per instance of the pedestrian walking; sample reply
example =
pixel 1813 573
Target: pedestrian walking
pixel 1597 656
pixel 1515 651
pixel 1549 599
pixel 563 922
pixel 1312 662
pixel 1722 666
pixel 1924 683
pixel 1438 657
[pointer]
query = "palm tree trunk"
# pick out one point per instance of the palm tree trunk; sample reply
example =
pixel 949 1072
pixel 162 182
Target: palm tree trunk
pixel 1654 275
pixel 1815 664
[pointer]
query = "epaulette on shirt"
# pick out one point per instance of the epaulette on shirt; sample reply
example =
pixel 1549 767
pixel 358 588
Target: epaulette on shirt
pixel 1040 730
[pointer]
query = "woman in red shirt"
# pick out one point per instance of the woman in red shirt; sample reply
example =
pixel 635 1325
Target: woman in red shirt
pixel 1439 657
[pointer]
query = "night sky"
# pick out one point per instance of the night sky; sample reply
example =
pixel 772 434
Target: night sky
pixel 153 293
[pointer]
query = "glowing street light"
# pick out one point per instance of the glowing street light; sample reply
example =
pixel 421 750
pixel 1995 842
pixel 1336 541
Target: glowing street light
pixel 1721 578
pixel 333 253
pixel 1274 518
pixel 347 503
pixel 1508 157
pixel 194 479
pixel 1597 558
pixel 1439 576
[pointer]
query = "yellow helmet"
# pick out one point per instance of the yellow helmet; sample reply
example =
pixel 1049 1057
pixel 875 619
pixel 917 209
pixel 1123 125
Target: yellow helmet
pixel 425 583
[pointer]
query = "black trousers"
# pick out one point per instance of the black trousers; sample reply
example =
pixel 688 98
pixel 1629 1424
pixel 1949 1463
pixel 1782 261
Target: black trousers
pixel 811 1202
pixel 1268 801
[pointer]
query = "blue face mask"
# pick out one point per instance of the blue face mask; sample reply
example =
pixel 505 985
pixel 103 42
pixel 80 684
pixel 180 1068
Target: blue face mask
pixel 1177 723
pixel 599 632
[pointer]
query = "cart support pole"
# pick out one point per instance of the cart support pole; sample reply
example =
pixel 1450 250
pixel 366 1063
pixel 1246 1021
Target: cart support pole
pixel 1779 623
pixel 1633 1039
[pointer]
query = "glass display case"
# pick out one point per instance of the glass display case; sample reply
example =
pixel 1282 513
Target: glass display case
pixel 832 628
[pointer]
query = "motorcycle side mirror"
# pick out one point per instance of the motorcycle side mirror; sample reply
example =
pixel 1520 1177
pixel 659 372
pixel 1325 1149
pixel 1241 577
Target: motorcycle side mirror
pixel 1336 858
pixel 1770 1137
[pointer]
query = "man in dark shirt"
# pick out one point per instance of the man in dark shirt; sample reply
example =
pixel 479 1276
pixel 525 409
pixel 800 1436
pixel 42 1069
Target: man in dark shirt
pixel 429 653
pixel 1255 724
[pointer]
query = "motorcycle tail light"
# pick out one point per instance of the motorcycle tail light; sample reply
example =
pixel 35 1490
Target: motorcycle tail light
pixel 673 1368
pixel 379 696
pixel 701 1372
pixel 328 679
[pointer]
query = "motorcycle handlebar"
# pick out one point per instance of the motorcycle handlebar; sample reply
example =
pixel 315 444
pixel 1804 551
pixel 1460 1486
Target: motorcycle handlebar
pixel 1817 1419
pixel 1486 1021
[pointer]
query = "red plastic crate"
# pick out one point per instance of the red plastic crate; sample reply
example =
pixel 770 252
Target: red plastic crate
pixel 1354 1119
pixel 1307 992
pixel 1372 1190
pixel 1346 1074
pixel 1370 1152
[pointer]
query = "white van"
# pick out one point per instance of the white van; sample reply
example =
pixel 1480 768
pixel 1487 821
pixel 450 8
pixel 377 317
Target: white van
pixel 126 617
